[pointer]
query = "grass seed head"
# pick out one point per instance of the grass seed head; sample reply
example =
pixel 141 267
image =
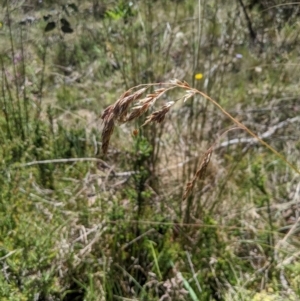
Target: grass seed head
pixel 159 115
pixel 200 173
pixel 138 111
pixel 108 129
pixel 107 113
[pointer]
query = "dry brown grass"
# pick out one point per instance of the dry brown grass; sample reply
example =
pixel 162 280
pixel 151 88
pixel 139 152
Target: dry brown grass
pixel 119 113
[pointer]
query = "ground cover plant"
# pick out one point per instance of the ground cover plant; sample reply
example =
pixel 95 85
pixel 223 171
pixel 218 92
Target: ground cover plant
pixel 149 150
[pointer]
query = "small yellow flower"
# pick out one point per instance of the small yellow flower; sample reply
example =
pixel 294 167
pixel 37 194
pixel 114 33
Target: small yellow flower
pixel 198 76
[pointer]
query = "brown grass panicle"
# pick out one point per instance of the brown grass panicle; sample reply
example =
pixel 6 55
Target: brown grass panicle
pixel 200 173
pixel 118 113
pixel 159 116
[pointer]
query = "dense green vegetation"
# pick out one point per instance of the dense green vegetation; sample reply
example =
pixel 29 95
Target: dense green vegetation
pixel 76 224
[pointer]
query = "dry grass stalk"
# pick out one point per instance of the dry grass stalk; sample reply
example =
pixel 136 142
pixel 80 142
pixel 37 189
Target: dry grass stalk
pixel 200 174
pixel 118 112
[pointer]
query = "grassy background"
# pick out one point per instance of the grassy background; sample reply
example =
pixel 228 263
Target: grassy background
pixel 81 226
